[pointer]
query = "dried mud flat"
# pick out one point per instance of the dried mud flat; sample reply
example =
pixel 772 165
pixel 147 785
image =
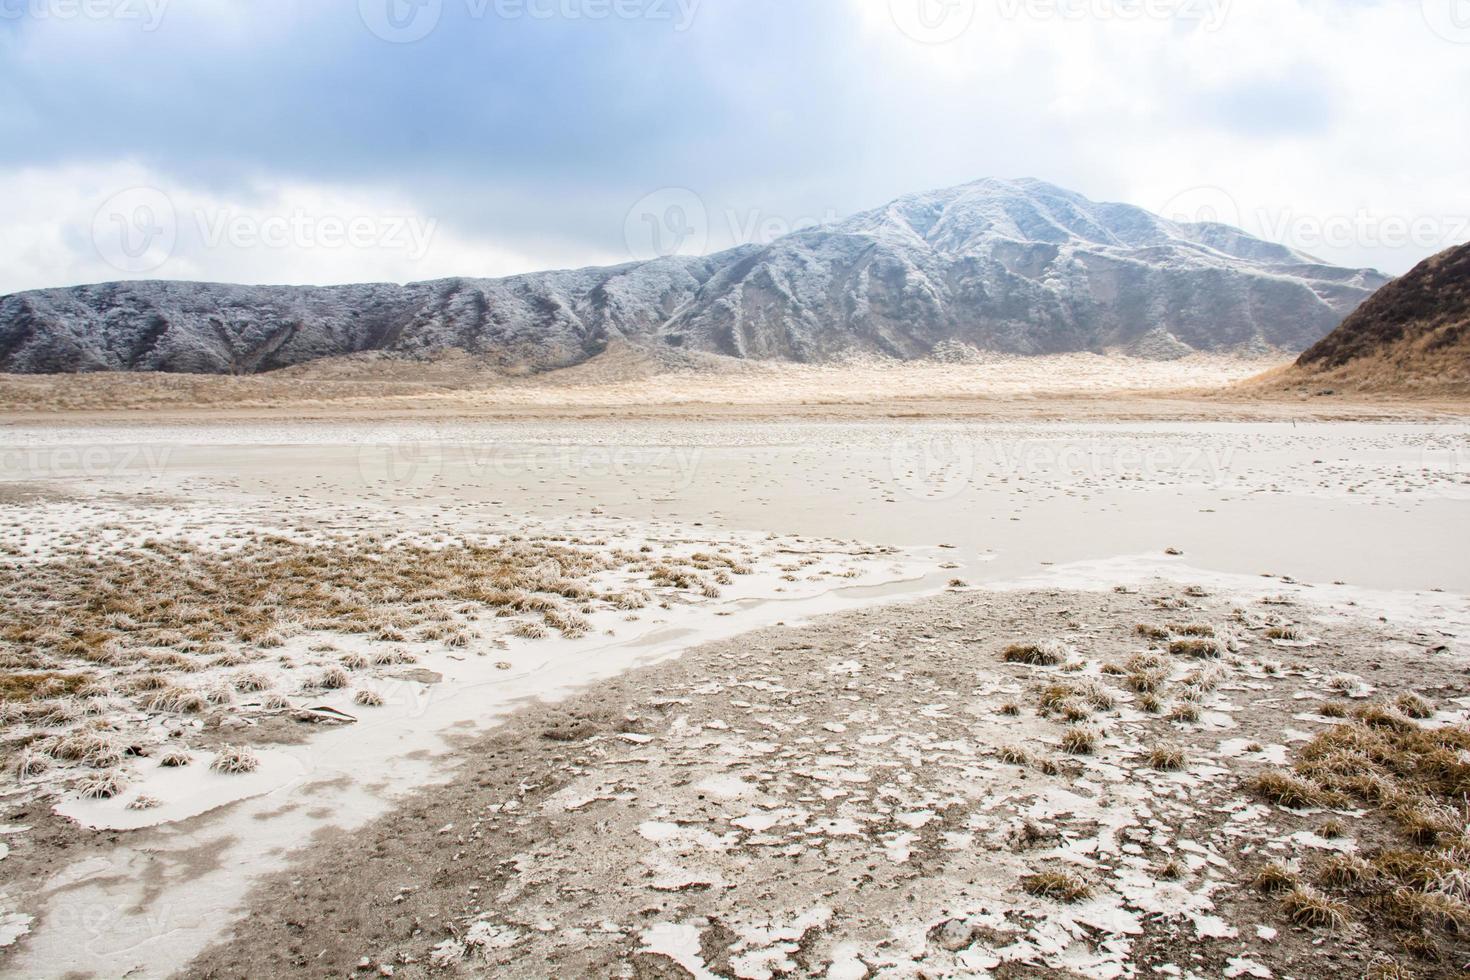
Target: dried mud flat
pixel 1008 783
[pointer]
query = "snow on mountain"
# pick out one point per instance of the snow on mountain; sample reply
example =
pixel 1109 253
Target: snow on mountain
pixel 1015 266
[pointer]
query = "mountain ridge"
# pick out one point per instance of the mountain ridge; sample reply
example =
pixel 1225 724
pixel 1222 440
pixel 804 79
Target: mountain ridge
pixel 1013 266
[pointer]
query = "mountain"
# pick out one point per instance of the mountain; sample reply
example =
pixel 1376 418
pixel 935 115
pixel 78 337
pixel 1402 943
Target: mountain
pixel 1415 331
pixel 1013 266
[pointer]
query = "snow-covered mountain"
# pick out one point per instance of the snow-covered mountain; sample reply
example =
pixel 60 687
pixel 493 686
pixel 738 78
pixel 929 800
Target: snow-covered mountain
pixel 1016 266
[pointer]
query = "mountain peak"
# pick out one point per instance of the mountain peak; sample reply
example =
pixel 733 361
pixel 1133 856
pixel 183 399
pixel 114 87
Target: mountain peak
pixel 1014 265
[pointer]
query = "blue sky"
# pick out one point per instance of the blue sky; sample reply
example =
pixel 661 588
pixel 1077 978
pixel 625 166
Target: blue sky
pixel 340 140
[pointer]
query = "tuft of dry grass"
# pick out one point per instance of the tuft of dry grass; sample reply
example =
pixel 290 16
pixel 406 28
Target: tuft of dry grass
pixel 333 679
pixel 1079 740
pixel 1010 709
pixel 1014 755
pixel 1275 878
pixel 1046 653
pixel 1310 908
pixel 1173 870
pixel 1199 649
pixel 1345 872
pixel 103 785
pixel 1186 712
pixel 1151 632
pixel 1285 789
pixel 1167 759
pixel 1059 886
pixel 1413 706
pixel 29 764
pixel 368 699
pixel 235 760
pixel 175 759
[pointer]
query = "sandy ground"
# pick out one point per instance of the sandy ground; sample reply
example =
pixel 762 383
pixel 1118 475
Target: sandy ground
pixel 834 801
pixel 856 519
pixel 626 383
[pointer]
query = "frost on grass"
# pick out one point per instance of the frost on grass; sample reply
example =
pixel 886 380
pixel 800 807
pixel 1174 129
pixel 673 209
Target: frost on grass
pixel 235 760
pixel 220 626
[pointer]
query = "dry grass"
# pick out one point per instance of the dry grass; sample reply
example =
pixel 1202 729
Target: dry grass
pixel 235 760
pixel 46 684
pixel 1079 740
pixel 103 785
pixel 1046 653
pixel 1284 789
pixel 1059 886
pixel 1274 878
pixel 1310 908
pixel 1414 782
pixel 1167 759
pixel 1185 712
pixel 1197 648
pixel 368 699
pixel 1014 755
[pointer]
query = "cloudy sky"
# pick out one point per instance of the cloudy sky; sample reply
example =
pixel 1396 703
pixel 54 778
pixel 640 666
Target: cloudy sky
pixel 319 141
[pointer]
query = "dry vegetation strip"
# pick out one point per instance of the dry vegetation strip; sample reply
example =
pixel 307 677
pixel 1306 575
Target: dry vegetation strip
pixel 1414 783
pixel 90 638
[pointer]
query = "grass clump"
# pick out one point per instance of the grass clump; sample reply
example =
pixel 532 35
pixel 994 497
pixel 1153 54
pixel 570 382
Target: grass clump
pixel 1079 740
pixel 1310 908
pixel 1185 712
pixel 1285 789
pixel 1047 653
pixel 1167 758
pixel 235 760
pixel 1059 886
pixel 1413 706
pixel 103 785
pixel 1197 648
pixel 1275 878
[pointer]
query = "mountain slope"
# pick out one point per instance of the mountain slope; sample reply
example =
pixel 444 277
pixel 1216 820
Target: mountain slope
pixel 1013 266
pixel 1414 331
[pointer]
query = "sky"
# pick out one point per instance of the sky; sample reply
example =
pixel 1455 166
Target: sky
pixel 326 141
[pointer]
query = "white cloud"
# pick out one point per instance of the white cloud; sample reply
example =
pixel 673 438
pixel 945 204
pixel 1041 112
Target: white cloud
pixel 1338 127
pixel 81 224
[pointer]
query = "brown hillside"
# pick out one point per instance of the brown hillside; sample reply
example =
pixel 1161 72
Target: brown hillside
pixel 1413 333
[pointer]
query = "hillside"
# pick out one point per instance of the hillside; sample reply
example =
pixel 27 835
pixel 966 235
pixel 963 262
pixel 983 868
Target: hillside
pixel 1415 332
pixel 1017 267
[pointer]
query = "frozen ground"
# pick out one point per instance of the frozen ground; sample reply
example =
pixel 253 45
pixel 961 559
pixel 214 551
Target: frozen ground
pixel 1354 521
